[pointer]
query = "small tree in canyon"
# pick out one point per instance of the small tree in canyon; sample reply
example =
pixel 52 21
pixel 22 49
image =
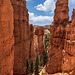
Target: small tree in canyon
pixel 27 66
pixel 37 65
pixel 47 39
pixel 31 67
pixel 45 57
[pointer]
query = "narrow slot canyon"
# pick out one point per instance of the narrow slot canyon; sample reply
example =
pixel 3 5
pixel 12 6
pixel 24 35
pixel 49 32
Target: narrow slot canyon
pixel 28 49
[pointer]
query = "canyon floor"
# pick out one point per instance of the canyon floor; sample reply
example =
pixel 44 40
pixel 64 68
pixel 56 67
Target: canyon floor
pixel 43 72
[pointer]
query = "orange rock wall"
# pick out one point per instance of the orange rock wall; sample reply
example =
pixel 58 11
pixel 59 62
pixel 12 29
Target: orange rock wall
pixel 61 12
pixel 22 36
pixel 16 37
pixel 39 32
pixel 69 48
pixel 62 40
pixel 6 38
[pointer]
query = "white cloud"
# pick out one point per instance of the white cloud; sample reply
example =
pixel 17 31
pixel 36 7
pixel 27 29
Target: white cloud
pixel 72 1
pixel 39 20
pixel 71 6
pixel 48 5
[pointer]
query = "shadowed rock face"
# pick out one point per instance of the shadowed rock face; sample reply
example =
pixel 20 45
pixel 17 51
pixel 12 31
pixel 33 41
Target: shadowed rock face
pixel 39 32
pixel 31 39
pixel 62 40
pixel 6 38
pixel 21 35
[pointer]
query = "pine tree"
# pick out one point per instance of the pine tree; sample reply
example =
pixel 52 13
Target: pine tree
pixel 27 66
pixel 46 55
pixel 45 58
pixel 47 40
pixel 37 65
pixel 31 67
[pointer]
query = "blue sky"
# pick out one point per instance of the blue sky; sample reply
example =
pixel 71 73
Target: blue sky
pixel 41 12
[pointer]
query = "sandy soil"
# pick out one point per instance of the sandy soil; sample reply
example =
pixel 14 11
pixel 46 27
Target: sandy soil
pixel 43 72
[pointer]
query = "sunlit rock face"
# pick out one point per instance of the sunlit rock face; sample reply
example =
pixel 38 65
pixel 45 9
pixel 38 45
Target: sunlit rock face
pixel 69 44
pixel 69 47
pixel 39 44
pixel 21 35
pixel 6 38
pixel 62 40
pixel 61 15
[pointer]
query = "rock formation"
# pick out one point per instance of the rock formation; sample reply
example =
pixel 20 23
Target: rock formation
pixel 6 38
pixel 31 39
pixel 73 14
pixel 61 16
pixel 62 40
pixel 39 32
pixel 69 48
pixel 22 36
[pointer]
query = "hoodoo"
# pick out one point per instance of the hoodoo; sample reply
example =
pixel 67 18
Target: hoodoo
pixel 62 40
pixel 6 38
pixel 19 40
pixel 61 15
pixel 21 36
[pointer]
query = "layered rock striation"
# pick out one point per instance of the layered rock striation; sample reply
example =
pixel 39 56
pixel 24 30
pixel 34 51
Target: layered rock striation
pixel 62 40
pixel 6 38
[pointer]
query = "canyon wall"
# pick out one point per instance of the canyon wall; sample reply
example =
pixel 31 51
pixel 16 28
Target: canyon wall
pixel 22 36
pixel 39 43
pixel 6 38
pixel 16 37
pixel 69 48
pixel 62 40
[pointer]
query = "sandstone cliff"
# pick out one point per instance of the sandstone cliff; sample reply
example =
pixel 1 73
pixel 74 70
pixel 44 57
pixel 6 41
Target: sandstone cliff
pixel 39 40
pixel 22 33
pixel 62 40
pixel 6 38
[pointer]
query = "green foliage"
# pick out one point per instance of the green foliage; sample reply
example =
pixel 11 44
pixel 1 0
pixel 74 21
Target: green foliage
pixel 31 67
pixel 37 65
pixel 47 40
pixel 41 61
pixel 45 57
pixel 27 66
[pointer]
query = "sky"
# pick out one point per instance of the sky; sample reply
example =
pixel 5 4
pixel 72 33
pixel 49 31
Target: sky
pixel 41 12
